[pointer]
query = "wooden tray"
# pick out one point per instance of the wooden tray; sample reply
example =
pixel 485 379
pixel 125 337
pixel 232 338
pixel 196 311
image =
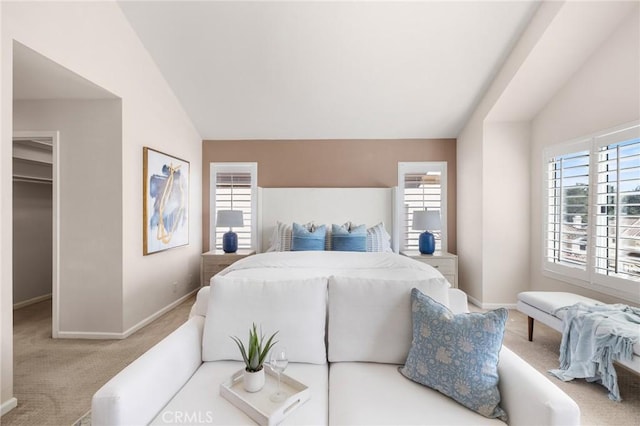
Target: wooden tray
pixel 257 405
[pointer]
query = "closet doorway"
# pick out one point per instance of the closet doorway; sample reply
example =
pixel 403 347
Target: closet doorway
pixel 35 220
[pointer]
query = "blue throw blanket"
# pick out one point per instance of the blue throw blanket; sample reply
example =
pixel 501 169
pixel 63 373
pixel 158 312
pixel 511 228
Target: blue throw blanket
pixel 594 336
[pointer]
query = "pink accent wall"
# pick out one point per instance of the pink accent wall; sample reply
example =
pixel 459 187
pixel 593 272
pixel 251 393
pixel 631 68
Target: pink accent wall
pixel 330 164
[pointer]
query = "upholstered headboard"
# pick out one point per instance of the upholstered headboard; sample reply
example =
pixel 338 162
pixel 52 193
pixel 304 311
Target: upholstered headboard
pixel 324 206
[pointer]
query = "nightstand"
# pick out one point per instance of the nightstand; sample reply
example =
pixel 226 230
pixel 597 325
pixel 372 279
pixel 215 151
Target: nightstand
pixel 446 263
pixel 215 261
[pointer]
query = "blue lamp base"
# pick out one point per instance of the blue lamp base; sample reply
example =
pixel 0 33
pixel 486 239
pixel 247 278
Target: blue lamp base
pixel 230 242
pixel 427 243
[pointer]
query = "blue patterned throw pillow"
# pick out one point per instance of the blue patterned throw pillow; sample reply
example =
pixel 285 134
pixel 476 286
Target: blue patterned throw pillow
pixel 348 237
pixel 457 354
pixel 304 238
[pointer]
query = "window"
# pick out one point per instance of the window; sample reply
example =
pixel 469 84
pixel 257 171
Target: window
pixel 568 215
pixel 421 186
pixel 233 187
pixel 592 211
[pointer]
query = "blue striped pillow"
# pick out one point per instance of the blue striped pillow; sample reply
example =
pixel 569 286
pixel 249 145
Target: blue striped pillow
pixel 305 239
pixel 348 238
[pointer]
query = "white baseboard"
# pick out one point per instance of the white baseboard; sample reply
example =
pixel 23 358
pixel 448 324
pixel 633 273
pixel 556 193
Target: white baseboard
pixel 481 305
pixel 158 314
pixel 89 335
pixel 130 331
pixel 31 301
pixel 8 405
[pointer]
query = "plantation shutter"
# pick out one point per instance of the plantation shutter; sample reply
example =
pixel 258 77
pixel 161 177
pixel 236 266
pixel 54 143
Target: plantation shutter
pixel 233 191
pixel 567 238
pixel 421 191
pixel 617 248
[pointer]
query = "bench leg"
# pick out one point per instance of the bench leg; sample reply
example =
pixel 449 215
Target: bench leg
pixel 530 323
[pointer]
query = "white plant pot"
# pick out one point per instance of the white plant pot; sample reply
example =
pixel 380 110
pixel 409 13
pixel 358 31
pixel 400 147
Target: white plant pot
pixel 253 381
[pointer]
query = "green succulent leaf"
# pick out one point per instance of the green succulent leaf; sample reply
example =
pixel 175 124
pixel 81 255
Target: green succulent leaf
pixel 256 351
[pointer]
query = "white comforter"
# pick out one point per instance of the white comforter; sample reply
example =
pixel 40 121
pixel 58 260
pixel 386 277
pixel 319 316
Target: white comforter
pixel 309 264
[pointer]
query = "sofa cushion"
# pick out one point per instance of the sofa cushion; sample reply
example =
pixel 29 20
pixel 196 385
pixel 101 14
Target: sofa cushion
pixel 296 309
pixel 375 394
pixel 200 398
pixel 370 319
pixel 457 354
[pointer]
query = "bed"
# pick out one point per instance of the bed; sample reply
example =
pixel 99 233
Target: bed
pixel 312 264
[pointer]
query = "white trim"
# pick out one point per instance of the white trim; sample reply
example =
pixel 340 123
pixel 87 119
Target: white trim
pixel 405 167
pixel 158 314
pixel 490 306
pixel 8 405
pixel 89 335
pixel 131 330
pixel 587 278
pixel 31 301
pixel 55 200
pixel 251 167
pixel 595 286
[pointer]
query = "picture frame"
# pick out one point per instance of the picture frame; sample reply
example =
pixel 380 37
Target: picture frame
pixel 165 201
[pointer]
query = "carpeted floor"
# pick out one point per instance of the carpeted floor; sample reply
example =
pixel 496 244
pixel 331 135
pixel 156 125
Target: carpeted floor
pixel 595 406
pixel 55 379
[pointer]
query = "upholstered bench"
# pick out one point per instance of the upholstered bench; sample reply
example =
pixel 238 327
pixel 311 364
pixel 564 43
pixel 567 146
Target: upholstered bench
pixel 545 306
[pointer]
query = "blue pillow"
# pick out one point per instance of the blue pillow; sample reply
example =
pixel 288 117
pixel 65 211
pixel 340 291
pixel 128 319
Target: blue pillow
pixel 457 354
pixel 345 238
pixel 304 239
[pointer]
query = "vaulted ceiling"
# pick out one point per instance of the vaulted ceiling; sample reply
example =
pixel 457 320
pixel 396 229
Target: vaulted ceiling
pixel 324 70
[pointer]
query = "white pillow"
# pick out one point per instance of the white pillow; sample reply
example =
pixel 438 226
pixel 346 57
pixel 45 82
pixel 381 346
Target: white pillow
pixel 295 308
pixel 378 239
pixel 281 238
pixel 370 319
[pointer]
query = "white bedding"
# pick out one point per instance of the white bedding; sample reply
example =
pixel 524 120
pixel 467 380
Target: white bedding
pixel 310 264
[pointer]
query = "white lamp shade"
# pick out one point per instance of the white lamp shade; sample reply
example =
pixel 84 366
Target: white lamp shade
pixel 229 218
pixel 426 220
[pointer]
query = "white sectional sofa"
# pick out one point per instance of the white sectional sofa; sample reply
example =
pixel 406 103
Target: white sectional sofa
pixel 354 379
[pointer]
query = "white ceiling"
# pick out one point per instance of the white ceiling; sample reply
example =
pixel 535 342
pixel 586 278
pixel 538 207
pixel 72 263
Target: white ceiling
pixel 326 70
pixel 37 77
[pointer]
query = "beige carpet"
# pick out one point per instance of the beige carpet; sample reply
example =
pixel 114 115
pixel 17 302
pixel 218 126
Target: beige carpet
pixel 55 379
pixel 596 407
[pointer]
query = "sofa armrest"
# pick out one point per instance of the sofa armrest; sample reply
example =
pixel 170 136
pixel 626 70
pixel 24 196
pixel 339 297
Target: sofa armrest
pixel 530 398
pixel 201 304
pixel 458 301
pixel 144 387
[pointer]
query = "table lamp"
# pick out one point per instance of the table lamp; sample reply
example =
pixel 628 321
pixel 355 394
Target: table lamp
pixel 426 220
pixel 229 218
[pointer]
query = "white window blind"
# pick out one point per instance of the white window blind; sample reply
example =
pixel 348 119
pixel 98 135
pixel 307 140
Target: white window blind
pixel 234 188
pixel 568 209
pixel 592 211
pixel 617 246
pixel 421 186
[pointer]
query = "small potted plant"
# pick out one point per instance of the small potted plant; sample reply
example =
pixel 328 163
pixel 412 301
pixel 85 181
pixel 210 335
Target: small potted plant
pixel 254 355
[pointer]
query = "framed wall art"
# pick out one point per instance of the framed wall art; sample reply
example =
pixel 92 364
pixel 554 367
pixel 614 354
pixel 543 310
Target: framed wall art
pixel 165 201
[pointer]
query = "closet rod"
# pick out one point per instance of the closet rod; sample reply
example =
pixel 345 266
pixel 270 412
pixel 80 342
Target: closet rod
pixel 30 179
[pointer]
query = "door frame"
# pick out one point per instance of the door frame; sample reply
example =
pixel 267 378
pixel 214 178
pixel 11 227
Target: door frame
pixel 55 203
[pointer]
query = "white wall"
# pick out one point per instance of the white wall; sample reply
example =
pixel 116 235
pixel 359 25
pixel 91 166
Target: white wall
pixel 94 40
pixel 549 75
pixel 480 249
pixel 90 169
pixel 604 93
pixel 506 211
